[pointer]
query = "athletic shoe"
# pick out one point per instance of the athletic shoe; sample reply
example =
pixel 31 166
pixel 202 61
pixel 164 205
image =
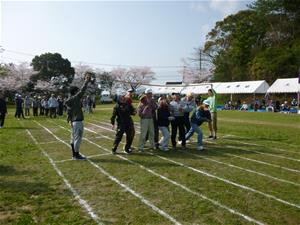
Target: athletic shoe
pixel 179 142
pixel 128 151
pixel 187 141
pixel 141 150
pixel 210 136
pixel 79 157
pixel 200 148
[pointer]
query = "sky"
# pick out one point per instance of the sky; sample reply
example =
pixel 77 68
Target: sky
pixel 130 33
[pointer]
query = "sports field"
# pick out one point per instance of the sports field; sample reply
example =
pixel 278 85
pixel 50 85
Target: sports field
pixel 250 175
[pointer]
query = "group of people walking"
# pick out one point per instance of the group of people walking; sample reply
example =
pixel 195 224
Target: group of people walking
pixel 157 116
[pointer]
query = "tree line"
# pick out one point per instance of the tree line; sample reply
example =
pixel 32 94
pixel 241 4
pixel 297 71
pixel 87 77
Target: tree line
pixel 260 43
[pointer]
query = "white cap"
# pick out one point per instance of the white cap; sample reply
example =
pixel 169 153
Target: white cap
pixel 206 102
pixel 148 90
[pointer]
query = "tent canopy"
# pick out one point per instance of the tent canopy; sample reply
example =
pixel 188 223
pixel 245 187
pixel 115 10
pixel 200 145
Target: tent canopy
pixel 243 87
pixel 287 85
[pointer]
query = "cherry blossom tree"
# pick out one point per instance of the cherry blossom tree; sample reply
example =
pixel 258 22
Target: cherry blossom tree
pixel 133 77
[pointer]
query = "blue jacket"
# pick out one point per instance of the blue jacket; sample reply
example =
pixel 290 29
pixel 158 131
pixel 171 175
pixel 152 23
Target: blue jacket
pixel 199 116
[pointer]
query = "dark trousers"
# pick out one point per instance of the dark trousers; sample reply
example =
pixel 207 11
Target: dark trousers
pixel 2 119
pixel 35 111
pixel 19 113
pixel 187 122
pixel 46 111
pixel 178 123
pixel 52 112
pixel 124 128
pixel 42 111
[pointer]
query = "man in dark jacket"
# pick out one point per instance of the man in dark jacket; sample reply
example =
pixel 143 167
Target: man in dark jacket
pixel 3 110
pixel 75 116
pixel 122 113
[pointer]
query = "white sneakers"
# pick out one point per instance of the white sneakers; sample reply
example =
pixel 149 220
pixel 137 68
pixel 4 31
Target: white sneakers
pixel 200 148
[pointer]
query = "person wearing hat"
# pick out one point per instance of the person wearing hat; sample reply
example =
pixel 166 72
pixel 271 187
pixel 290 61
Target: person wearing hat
pixel 75 116
pixel 122 113
pixel 129 95
pixel 212 125
pixel 19 107
pixel 146 110
pixel 200 115
pixel 177 111
pixel 3 110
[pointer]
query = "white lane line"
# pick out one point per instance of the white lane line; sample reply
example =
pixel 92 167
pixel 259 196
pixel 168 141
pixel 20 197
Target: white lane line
pixel 89 157
pixel 275 142
pixel 259 161
pixel 214 202
pixel 240 157
pixel 81 201
pixel 112 178
pixel 232 183
pixel 243 169
pixel 262 153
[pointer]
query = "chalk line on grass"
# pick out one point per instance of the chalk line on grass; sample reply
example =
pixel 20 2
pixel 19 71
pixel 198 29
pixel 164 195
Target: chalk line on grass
pixel 112 178
pixel 81 201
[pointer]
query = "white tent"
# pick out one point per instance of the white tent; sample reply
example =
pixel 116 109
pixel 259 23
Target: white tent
pixel 287 85
pixel 243 87
pixel 199 88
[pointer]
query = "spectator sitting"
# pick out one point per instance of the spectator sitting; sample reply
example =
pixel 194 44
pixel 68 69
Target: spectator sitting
pixel 294 102
pixel 285 107
pixel 244 107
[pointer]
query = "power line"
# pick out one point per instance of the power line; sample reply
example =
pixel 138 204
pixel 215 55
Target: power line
pixel 100 64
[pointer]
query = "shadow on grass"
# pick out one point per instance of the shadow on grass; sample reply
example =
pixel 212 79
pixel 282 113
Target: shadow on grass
pixel 25 187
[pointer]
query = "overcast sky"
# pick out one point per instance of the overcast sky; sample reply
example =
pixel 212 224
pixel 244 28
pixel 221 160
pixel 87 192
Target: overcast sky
pixel 137 33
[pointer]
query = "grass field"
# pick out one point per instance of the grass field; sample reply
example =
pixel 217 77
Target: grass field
pixel 250 175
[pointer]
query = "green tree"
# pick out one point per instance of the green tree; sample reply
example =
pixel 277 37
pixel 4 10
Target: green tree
pixel 51 65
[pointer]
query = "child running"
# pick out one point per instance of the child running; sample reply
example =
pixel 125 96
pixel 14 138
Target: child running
pixel 200 115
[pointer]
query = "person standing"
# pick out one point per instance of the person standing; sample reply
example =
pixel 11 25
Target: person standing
pixel 163 117
pixel 35 106
pixel 53 104
pixel 75 116
pixel 27 104
pixel 122 113
pixel 212 125
pixel 145 112
pixel 60 109
pixel 46 106
pixel 177 110
pixel 19 107
pixel 3 110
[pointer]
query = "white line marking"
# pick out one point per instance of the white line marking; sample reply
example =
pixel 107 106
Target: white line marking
pixel 81 201
pixel 259 161
pixel 240 157
pixel 243 169
pixel 262 153
pixel 214 202
pixel 90 156
pixel 145 201
pixel 232 183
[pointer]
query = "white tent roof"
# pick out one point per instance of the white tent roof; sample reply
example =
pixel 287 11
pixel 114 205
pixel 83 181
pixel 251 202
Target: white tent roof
pixel 198 88
pixel 242 87
pixel 288 85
